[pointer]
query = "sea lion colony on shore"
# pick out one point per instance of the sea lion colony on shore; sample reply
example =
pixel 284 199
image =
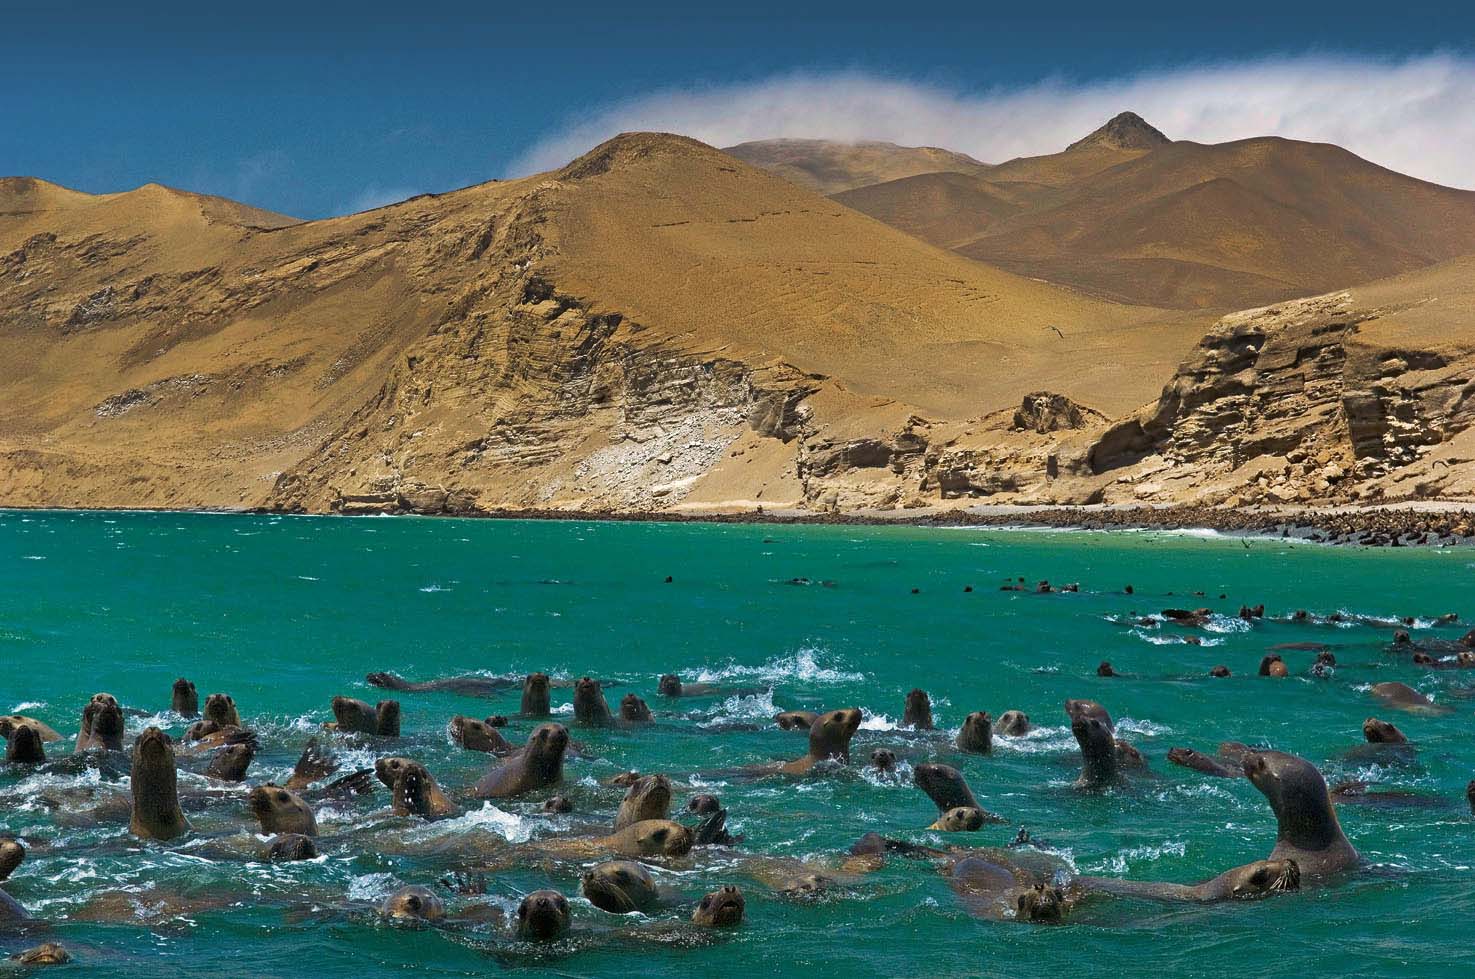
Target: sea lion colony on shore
pixel 1017 883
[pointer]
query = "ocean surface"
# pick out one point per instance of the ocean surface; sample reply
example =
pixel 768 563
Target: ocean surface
pixel 284 613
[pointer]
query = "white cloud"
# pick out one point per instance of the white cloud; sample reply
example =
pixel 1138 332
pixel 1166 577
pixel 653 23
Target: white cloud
pixel 1412 115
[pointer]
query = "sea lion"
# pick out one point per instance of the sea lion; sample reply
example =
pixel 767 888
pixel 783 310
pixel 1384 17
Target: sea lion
pixel 542 917
pixel 648 838
pixel 1261 878
pixel 1404 697
pixel 1105 669
pixel 537 766
pixel 23 746
pixel 413 903
pixel 917 713
pixel 1219 671
pixel 1200 762
pixel 281 811
pixel 102 724
pixel 184 700
pixel 351 716
pixel 1376 731
pixel 1189 618
pixel 474 735
pixel 1247 613
pixel 1307 827
pixel 413 790
pixel 230 762
pixel 221 708
pixel 315 763
pixel 989 884
pixel 648 798
pixel 962 819
pixel 590 707
pixel 1013 724
pixel 633 710
pixel 12 855
pixel 796 720
pixel 722 908
pixel 558 804
pixel 535 701
pixel 712 831
pixel 288 847
pixel 977 734
pixel 620 886
pixel 1272 665
pixel 883 760
pixel 466 686
pixel 1099 766
pixel 47 953
pixel 155 788
pixel 48 734
pixel 829 740
pixel 947 789
pixel 1089 708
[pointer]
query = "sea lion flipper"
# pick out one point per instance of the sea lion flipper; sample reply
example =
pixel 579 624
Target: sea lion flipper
pixel 360 782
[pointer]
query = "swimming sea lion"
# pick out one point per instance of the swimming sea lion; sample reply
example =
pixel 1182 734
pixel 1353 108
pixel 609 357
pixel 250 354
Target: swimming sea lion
pixel 977 733
pixel 281 811
pixel 829 740
pixel 12 855
pixel 947 788
pixel 474 735
pixel 558 804
pixel 102 724
pixel 535 701
pixel 155 789
pixel 1219 671
pixel 353 716
pixel 620 886
pixel 917 713
pixel 542 917
pixel 291 846
pixel 590 707
pixel 47 953
pixel 722 908
pixel 648 838
pixel 413 903
pixel 796 720
pixel 537 766
pixel 466 686
pixel 1098 752
pixel 229 763
pixel 1307 827
pixel 1088 708
pixel 1105 669
pixel 315 763
pixel 1201 762
pixel 1404 697
pixel 1272 665
pixel 1013 723
pixel 705 805
pixel 633 709
pixel 990 885
pixel 23 746
pixel 1261 878
pixel 883 760
pixel 648 798
pixel 963 819
pixel 48 734
pixel 413 790
pixel 1377 731
pixel 221 708
pixel 184 700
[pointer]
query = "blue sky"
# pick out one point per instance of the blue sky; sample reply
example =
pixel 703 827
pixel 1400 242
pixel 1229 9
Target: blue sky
pixel 322 109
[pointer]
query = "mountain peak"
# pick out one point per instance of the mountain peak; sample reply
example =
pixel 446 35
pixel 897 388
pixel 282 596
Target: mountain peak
pixel 1124 131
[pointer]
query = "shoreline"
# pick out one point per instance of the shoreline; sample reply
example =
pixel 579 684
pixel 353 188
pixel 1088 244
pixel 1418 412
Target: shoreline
pixel 1428 524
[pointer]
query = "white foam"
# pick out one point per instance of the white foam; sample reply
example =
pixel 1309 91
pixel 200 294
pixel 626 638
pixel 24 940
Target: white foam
pixel 1121 862
pixel 753 707
pixel 878 722
pixel 803 664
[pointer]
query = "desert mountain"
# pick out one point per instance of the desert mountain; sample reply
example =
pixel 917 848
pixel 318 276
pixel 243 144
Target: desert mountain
pixel 1128 215
pixel 829 167
pixel 656 324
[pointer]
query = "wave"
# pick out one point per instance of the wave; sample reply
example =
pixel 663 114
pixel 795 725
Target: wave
pixel 804 665
pixel 1121 862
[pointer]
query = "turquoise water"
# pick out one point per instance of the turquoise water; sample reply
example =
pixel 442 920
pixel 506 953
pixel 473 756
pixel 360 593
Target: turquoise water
pixel 284 613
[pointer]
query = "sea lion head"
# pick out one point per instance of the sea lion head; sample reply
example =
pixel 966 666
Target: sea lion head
pixel 545 748
pixel 558 804
pixel 1262 878
pixel 49 953
pixel 883 760
pixel 154 785
pixel 660 838
pixel 387 714
pixel 806 887
pixel 829 736
pixel 542 916
pixel 1088 708
pixel 918 710
pixel 632 708
pixel 1219 671
pixel 281 811
pixel 960 819
pixel 1041 904
pixel 1013 723
pixel 475 735
pixel 413 903
pixel 389 769
pixel 154 748
pixel 619 886
pixel 287 847
pixel 649 797
pixel 795 720
pixel 230 763
pixel 411 791
pixel 12 855
pixel 221 708
pixel 535 694
pixel 943 784
pixel 722 908
pixel 670 685
pixel 1298 795
pixel 185 700
pixel 589 702
pixel 351 714
pixel 25 746
pixel 977 733
pixel 1381 732
pixel 705 805
pixel 102 723
pixel 1272 665
pixel 1098 747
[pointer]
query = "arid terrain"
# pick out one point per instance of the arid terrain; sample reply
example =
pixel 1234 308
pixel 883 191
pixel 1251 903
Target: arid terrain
pixel 662 327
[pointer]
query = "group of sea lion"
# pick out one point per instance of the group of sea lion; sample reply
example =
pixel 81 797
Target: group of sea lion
pixel 1020 882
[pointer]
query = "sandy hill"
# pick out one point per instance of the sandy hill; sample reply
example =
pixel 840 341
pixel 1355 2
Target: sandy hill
pixel 828 166
pixel 655 324
pixel 1127 214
